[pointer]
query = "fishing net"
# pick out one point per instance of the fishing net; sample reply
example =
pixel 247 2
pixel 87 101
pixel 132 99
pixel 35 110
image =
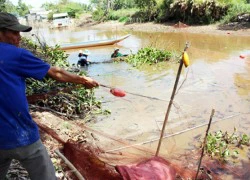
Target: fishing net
pixel 137 162
pixel 153 168
pixel 95 164
pixel 86 161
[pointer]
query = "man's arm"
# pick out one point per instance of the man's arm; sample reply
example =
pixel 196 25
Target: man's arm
pixel 61 75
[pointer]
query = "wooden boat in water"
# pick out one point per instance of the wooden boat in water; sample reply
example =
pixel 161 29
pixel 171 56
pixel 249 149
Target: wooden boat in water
pixel 92 43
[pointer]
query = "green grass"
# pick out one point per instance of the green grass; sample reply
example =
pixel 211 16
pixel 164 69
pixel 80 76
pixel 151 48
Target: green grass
pixel 122 15
pixel 235 10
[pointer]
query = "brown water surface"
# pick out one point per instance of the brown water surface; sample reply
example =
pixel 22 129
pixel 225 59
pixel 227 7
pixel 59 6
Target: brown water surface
pixel 216 79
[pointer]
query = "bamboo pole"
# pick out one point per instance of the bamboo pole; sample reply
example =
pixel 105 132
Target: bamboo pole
pixel 204 143
pixel 170 103
pixel 70 165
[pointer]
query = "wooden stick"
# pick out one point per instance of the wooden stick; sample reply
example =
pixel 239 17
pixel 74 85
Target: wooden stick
pixel 204 143
pixel 170 103
pixel 70 165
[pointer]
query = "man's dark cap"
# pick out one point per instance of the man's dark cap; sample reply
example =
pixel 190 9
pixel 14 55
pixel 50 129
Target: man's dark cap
pixel 9 21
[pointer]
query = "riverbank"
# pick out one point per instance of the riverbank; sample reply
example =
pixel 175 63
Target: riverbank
pixel 235 29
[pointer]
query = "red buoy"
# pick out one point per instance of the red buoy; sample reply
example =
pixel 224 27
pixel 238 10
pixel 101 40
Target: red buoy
pixel 118 92
pixel 242 56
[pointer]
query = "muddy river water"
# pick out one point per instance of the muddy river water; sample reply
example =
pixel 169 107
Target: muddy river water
pixel 217 78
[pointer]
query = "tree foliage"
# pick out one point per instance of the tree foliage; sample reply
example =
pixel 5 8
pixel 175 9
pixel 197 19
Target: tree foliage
pixel 147 8
pixel 2 5
pixel 72 8
pixel 22 8
pixel 113 4
pixel 7 6
pixel 99 4
pixel 123 4
pixel 145 4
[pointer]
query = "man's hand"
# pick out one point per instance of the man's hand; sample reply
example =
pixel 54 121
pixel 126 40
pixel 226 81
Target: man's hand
pixel 89 83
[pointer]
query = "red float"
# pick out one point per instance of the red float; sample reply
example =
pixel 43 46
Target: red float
pixel 242 56
pixel 118 92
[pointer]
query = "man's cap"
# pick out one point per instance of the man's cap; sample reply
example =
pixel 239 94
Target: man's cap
pixel 9 21
pixel 116 48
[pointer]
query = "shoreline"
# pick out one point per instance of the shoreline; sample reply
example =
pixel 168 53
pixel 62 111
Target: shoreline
pixel 215 29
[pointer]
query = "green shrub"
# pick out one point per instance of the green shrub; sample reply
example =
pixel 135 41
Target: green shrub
pixel 124 19
pixel 99 15
pixel 123 15
pixel 234 11
pixel 72 103
pixel 222 145
pixel 192 12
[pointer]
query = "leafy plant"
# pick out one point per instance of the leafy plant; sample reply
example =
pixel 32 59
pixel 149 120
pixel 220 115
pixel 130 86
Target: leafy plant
pixel 234 11
pixel 148 55
pixel 121 14
pixel 75 102
pixel 99 15
pixel 223 145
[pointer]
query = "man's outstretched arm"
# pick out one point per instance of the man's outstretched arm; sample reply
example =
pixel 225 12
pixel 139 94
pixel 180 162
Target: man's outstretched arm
pixel 61 75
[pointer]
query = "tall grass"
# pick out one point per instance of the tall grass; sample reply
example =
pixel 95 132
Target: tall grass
pixel 236 7
pixel 122 15
pixel 187 11
pixel 234 11
pixel 202 11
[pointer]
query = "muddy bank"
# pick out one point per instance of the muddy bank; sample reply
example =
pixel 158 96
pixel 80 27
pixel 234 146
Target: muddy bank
pixel 236 29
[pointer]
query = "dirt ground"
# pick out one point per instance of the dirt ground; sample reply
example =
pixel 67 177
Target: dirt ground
pixel 242 29
pixel 70 130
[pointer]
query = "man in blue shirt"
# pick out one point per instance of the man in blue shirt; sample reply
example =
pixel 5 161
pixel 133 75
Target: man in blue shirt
pixel 19 135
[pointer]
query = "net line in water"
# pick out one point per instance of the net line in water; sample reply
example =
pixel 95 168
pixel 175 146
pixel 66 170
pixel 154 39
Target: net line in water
pixel 174 134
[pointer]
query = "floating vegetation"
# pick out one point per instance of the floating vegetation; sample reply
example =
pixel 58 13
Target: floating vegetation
pixel 148 55
pixel 224 145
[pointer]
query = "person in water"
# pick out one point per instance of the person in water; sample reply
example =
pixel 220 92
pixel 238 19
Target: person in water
pixel 19 133
pixel 116 53
pixel 83 58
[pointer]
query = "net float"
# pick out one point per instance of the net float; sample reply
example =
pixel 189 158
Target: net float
pixel 242 56
pixel 185 59
pixel 117 92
